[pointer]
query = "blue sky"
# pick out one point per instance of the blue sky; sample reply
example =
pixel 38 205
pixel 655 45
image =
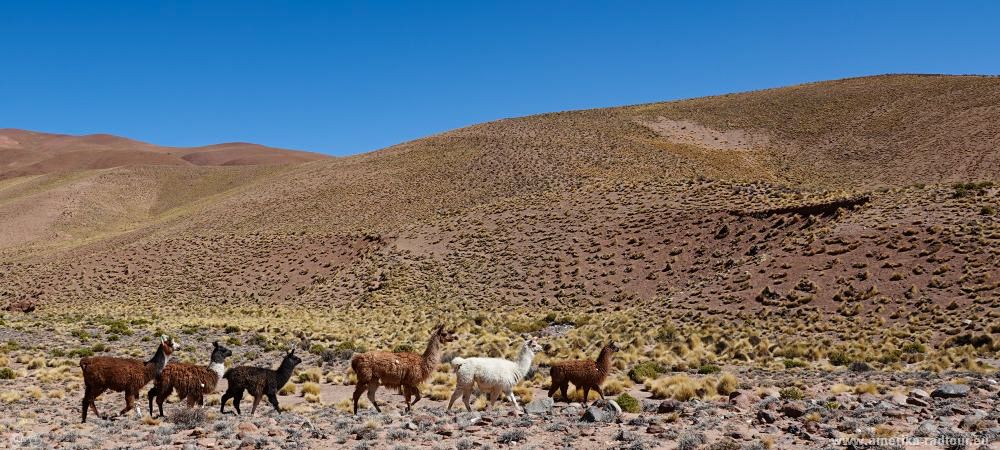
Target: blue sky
pixel 348 77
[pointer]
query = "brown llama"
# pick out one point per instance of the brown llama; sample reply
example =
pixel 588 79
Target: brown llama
pixel 128 375
pixel 191 381
pixel 400 370
pixel 583 373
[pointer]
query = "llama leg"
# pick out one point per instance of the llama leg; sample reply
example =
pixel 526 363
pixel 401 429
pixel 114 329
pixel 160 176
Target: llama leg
pixel 372 387
pixel 466 394
pixel 130 398
pixel 416 394
pixel 406 396
pixel 237 398
pixel 359 390
pixel 454 396
pixel 599 392
pixel 256 401
pixel 88 401
pixel 225 397
pixel 273 398
pixel 553 388
pixel 153 392
pixel 513 399
pixel 564 389
pixel 586 395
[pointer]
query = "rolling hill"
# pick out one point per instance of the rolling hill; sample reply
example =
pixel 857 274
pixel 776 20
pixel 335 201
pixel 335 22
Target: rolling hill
pixel 866 198
pixel 33 153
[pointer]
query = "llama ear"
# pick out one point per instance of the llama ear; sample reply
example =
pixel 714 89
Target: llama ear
pixel 215 344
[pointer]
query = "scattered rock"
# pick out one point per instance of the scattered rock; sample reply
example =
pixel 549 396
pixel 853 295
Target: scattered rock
pixel 917 401
pixel 668 406
pixel 951 390
pixel 655 429
pixel 539 406
pixel 793 410
pixel 605 411
pixel 766 416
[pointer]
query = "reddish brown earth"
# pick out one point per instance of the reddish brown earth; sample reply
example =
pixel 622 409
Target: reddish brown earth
pixel 839 222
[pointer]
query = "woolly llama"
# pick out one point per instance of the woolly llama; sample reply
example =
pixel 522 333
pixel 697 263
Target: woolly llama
pixel 493 375
pixel 258 381
pixel 585 374
pixel 401 370
pixel 128 375
pixel 192 382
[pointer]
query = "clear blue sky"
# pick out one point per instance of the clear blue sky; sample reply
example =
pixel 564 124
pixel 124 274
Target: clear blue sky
pixel 347 77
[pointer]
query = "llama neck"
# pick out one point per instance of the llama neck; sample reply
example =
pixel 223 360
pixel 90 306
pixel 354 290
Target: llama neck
pixel 218 368
pixel 432 355
pixel 604 360
pixel 284 372
pixel 156 364
pixel 524 359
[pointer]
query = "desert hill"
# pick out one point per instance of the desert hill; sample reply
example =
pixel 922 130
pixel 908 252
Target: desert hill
pixel 33 153
pixel 724 208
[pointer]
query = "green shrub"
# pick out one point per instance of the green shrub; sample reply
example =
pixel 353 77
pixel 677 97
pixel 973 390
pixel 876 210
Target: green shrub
pixel 645 370
pixel 794 363
pixel 81 352
pixel 403 348
pixel 839 358
pixel 628 403
pixel 709 369
pixel 317 349
pixel 6 373
pixel 119 327
pixel 791 393
pixel 232 329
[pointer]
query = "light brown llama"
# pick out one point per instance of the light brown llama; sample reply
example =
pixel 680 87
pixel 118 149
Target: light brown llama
pixel 401 370
pixel 128 375
pixel 585 374
pixel 191 381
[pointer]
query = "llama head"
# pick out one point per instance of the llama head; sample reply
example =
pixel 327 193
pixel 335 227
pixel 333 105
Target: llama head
pixel 220 353
pixel 443 335
pixel 530 342
pixel 613 347
pixel 168 345
pixel 290 359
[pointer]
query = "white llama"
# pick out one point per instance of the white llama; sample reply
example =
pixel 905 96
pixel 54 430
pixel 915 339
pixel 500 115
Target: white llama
pixel 493 375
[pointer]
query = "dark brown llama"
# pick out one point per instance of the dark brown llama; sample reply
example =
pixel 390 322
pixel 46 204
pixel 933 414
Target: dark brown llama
pixel 191 381
pixel 258 381
pixel 128 375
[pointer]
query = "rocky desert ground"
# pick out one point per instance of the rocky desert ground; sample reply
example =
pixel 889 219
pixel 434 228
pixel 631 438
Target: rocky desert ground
pixel 814 266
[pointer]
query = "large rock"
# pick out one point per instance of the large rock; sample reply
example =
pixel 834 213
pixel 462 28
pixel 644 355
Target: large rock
pixel 917 401
pixel 668 406
pixel 765 416
pixel 605 411
pixel 794 410
pixel 951 390
pixel 539 406
pixel 741 399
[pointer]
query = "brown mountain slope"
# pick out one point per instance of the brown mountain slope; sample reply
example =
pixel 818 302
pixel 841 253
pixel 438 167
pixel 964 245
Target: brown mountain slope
pixel 34 153
pixel 632 206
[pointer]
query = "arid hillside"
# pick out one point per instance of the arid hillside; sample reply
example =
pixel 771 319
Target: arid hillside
pixel 33 153
pixel 862 198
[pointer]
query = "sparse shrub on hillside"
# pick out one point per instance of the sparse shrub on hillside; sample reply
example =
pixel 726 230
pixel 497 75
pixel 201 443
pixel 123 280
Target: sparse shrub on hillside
pixel 709 369
pixel 791 393
pixel 6 373
pixel 839 358
pixel 645 370
pixel 628 403
pixel 794 363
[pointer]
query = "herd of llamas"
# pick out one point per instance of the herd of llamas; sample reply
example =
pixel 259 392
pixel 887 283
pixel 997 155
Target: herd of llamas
pixel 404 371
